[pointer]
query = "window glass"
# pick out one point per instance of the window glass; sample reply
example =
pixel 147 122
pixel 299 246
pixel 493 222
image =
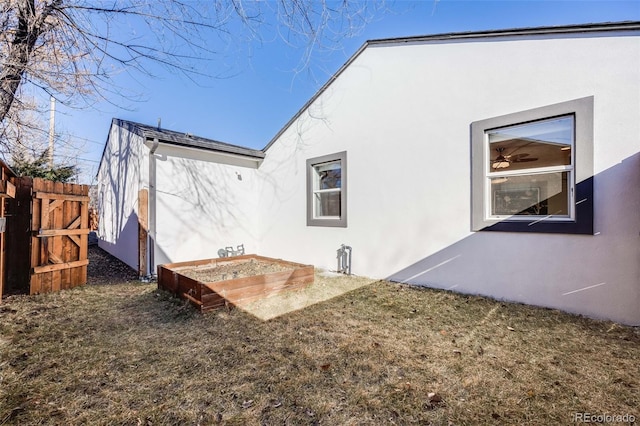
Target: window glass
pixel 329 175
pixel 543 143
pixel 534 194
pixel 530 169
pixel 327 204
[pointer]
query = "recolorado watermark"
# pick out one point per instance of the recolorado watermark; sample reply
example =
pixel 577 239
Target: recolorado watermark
pixel 603 418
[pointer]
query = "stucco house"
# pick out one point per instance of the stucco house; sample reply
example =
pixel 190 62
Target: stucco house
pixel 504 163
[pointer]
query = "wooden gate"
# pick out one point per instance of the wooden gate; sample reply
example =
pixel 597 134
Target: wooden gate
pixel 53 254
pixel 7 191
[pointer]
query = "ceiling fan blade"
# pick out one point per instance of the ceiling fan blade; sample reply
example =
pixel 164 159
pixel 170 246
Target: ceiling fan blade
pixel 524 160
pixel 516 157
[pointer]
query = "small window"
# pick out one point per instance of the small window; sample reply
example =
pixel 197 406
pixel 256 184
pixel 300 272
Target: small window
pixel 326 190
pixel 533 170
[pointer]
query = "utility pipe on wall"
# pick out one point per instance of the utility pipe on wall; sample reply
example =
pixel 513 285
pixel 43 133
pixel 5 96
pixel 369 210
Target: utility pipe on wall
pixel 344 259
pixel 151 246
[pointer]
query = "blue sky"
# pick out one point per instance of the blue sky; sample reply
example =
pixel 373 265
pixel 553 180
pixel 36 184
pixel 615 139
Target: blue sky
pixel 262 90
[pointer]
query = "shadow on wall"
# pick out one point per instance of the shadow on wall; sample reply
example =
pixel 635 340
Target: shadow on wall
pixel 118 177
pixel 127 235
pixel 202 207
pixel 285 158
pixel 596 275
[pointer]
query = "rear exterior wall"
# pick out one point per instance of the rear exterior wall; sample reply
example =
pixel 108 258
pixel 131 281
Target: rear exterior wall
pixel 403 114
pixel 204 202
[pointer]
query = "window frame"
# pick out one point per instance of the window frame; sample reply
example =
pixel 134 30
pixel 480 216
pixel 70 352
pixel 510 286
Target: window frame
pixel 329 221
pixel 580 217
pixel 530 171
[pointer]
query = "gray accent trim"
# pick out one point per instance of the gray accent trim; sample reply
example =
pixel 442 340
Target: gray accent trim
pixel 339 223
pixel 582 109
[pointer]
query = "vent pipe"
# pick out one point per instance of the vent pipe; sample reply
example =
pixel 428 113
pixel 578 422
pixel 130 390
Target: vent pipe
pixel 344 259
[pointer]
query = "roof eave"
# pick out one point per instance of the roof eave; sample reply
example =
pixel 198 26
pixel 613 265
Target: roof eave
pixel 528 31
pixel 196 142
pixel 254 155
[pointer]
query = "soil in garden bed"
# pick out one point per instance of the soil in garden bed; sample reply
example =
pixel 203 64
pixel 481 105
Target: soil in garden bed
pixel 211 273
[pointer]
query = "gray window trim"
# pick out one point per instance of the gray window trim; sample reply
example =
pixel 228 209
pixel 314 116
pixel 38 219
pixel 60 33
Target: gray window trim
pixel 311 162
pixel 582 110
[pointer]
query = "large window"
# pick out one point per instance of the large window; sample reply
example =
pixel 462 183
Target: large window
pixel 532 171
pixel 326 190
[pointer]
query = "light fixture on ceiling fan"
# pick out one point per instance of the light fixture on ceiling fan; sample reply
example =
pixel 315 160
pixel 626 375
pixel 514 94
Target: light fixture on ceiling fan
pixel 503 161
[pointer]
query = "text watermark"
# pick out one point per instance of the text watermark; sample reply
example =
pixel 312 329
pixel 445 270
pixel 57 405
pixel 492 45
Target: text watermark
pixel 603 418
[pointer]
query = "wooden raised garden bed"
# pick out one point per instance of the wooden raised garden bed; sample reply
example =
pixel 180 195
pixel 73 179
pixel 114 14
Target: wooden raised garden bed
pixel 213 283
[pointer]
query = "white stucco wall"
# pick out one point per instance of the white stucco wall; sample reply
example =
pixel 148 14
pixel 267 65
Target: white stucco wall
pixel 122 172
pixel 403 113
pixel 204 202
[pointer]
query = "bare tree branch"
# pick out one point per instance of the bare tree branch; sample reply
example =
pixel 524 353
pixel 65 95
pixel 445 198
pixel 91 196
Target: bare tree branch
pixel 71 49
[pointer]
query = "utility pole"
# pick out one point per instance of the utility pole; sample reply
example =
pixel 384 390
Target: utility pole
pixel 52 130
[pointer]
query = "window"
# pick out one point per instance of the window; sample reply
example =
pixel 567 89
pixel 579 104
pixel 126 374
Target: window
pixel 532 170
pixel 326 190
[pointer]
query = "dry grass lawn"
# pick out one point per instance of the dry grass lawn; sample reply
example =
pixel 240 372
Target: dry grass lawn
pixel 380 354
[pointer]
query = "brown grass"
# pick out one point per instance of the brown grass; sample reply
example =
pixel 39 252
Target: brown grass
pixel 128 354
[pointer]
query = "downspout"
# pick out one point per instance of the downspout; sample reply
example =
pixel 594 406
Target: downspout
pixel 152 208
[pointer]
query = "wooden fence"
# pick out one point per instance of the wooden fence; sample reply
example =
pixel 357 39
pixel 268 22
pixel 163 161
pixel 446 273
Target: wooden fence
pixel 7 191
pixel 47 236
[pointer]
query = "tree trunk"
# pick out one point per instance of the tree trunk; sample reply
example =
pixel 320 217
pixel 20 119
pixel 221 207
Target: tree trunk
pixel 29 29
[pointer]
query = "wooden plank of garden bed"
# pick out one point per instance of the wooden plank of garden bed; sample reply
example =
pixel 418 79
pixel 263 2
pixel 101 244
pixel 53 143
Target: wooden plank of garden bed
pixel 228 260
pixel 260 280
pixel 237 291
pixel 260 291
pixel 245 299
pixel 213 305
pixel 192 299
pixel 280 261
pixel 167 279
pixel 189 286
pixel 211 299
pixel 181 265
pixel 261 285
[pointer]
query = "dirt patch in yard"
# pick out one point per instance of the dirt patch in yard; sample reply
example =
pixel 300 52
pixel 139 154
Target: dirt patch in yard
pixel 106 269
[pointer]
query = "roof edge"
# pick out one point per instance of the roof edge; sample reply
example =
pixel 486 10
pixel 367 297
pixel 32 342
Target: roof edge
pixel 324 87
pixel 561 29
pixel 187 140
pixel 254 154
pixel 526 31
